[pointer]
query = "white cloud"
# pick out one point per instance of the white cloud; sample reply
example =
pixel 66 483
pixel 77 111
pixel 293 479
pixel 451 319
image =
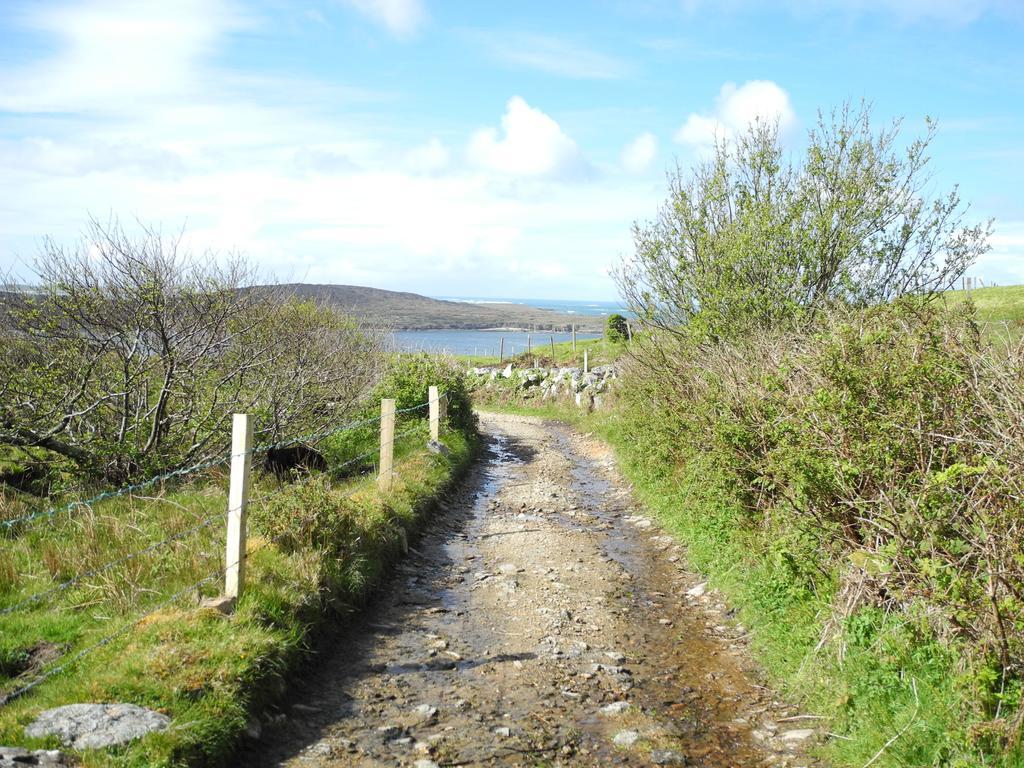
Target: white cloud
pixel 639 153
pixel 431 157
pixel 402 18
pixel 554 56
pixel 113 52
pixel 1004 264
pixel 533 145
pixel 284 170
pixel 736 107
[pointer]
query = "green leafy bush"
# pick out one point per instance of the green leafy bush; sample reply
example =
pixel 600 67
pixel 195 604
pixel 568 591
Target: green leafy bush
pixel 616 328
pixel 861 485
pixel 409 376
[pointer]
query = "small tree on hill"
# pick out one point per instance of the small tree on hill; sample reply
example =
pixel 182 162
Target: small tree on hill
pixel 616 328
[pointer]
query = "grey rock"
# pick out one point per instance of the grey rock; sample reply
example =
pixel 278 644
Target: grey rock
pixel 253 730
pixel 439 448
pixel 93 726
pixel 16 757
pixel 625 738
pixel 699 590
pixel 801 734
pixel 425 764
pixel 615 708
pixel 220 603
pixel 667 757
pixel 503 732
pixel 389 732
pixel 424 714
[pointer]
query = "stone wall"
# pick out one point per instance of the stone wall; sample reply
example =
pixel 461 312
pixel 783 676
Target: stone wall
pixel 585 389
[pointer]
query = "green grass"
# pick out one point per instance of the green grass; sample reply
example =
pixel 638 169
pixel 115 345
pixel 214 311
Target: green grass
pixel 207 671
pixel 599 352
pixel 1000 309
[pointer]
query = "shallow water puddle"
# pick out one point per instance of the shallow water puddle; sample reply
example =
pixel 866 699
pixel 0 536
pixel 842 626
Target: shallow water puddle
pixel 537 622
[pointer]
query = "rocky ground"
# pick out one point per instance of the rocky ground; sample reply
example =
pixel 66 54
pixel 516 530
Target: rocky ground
pixel 542 621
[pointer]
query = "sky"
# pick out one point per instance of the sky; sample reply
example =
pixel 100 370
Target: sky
pixel 467 148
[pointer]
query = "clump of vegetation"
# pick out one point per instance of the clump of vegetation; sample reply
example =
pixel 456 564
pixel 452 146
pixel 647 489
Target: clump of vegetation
pixel 616 328
pixel 840 451
pixel 128 355
pixel 751 239
pixel 408 377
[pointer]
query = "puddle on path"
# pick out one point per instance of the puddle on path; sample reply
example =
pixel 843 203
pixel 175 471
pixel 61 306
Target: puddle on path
pixel 534 600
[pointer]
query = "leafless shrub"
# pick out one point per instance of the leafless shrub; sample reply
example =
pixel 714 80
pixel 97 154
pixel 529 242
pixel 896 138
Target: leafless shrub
pixel 129 354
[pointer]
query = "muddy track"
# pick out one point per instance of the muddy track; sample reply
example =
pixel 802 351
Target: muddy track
pixel 542 620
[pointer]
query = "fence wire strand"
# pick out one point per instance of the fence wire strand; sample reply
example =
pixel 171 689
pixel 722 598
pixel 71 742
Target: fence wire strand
pixel 123 491
pixel 219 573
pixel 107 566
pixel 181 472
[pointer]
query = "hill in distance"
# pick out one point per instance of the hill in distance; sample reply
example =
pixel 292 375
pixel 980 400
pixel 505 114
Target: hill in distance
pixel 412 312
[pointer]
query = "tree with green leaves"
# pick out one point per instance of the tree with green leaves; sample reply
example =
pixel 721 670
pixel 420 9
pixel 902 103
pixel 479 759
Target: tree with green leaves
pixel 616 327
pixel 753 238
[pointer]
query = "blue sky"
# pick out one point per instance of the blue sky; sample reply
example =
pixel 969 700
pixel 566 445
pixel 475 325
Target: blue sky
pixel 466 148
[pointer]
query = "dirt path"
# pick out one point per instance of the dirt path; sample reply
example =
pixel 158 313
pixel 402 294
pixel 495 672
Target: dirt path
pixel 541 621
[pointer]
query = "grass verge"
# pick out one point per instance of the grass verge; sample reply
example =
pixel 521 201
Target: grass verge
pixel 332 543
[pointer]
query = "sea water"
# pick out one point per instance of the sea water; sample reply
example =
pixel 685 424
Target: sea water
pixel 481 343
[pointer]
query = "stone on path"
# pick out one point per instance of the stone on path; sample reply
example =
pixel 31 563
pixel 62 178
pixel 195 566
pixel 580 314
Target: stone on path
pixel 797 735
pixel 424 714
pixel 699 590
pixel 16 757
pixel 615 708
pixel 93 726
pixel 625 738
pixel 667 757
pixel 439 448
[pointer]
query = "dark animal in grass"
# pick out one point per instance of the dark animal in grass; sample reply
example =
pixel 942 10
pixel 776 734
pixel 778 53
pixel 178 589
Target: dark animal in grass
pixel 32 479
pixel 283 462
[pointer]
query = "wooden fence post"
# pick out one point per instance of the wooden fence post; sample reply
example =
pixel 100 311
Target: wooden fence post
pixel 435 414
pixel 529 345
pixel 586 361
pixel 501 350
pixel 238 499
pixel 552 338
pixel 574 339
pixel 387 444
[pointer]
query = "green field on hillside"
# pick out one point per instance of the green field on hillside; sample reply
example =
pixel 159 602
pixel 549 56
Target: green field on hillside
pixel 1000 309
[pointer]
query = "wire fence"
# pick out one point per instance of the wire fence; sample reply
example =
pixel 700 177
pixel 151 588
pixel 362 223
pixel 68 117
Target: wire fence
pixel 134 488
pixel 35 600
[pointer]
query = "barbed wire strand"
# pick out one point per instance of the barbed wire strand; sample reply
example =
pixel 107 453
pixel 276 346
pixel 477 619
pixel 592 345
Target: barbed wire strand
pixel 128 489
pixel 164 603
pixel 107 566
pixel 219 573
pixel 123 491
